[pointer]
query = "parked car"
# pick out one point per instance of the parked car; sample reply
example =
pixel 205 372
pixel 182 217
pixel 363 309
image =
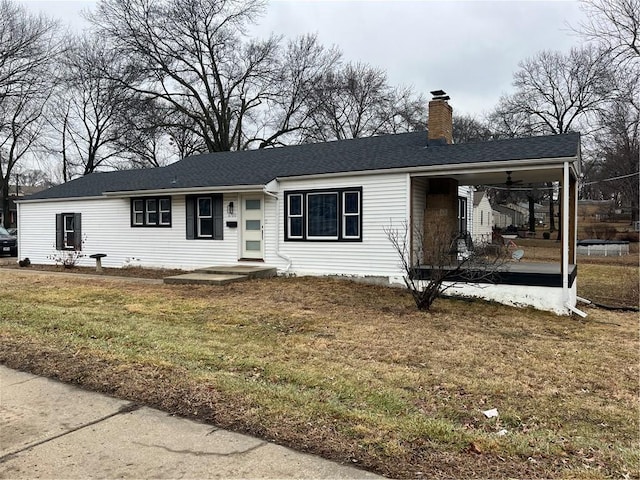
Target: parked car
pixel 8 243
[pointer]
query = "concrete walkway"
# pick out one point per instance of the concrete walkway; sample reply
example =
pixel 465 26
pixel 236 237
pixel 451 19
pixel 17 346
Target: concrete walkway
pixel 50 429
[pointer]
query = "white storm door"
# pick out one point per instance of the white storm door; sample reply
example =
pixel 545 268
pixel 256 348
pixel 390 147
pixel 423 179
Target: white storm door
pixel 252 227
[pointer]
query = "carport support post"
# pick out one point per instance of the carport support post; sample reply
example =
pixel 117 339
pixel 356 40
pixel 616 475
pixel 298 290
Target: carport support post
pixel 565 231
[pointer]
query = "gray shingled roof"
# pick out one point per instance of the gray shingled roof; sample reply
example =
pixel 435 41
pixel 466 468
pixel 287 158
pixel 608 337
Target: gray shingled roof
pixel 259 167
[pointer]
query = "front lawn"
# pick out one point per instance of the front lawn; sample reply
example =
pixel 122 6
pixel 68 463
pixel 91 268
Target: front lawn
pixel 349 371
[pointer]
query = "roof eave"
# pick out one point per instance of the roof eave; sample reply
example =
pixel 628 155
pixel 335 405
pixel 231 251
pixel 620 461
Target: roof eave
pixel 497 166
pixel 184 191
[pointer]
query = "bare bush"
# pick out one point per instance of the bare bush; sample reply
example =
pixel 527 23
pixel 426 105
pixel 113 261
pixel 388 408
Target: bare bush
pixel 439 260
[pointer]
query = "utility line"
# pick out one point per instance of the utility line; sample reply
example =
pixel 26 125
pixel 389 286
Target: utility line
pixel 611 179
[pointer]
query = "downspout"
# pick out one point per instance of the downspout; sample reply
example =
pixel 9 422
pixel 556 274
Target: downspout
pixel 278 253
pixel 565 242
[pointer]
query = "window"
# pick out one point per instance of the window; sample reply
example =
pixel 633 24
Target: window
pixel 151 212
pixel 68 231
pixel 324 215
pixel 204 217
pixel 295 218
pixel 462 214
pixel 481 217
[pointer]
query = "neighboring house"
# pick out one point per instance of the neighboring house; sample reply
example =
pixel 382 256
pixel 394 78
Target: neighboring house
pixel 20 192
pixel 540 213
pixel 316 209
pixel 482 218
pixel 504 216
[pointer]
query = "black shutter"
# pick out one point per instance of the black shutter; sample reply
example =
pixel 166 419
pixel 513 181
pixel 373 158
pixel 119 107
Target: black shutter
pixel 77 231
pixel 217 217
pixel 59 232
pixel 191 218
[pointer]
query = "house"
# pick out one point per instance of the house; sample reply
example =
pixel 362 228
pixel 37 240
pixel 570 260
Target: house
pixel 315 209
pixel 504 216
pixel 482 218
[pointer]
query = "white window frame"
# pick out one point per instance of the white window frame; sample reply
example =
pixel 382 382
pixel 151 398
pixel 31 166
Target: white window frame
pixel 338 213
pixel 66 231
pixel 200 217
pixel 137 212
pixel 153 203
pixel 166 210
pixel 300 215
pixel 346 214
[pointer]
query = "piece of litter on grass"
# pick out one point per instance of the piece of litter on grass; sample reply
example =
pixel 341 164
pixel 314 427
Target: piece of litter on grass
pixel 493 412
pixel 502 432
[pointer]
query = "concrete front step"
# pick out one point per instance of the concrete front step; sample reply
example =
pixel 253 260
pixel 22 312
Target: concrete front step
pixel 204 279
pixel 250 271
pixel 221 275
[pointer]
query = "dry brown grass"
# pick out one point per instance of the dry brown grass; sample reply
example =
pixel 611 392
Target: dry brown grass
pixel 350 371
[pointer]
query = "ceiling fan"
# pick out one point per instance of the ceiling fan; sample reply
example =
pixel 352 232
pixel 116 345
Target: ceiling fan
pixel 511 182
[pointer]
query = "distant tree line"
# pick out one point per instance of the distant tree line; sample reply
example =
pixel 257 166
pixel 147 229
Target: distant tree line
pixel 151 82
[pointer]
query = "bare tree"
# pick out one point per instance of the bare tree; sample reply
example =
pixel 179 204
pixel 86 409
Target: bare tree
pixel 145 134
pixel 191 55
pixel 614 171
pixel 557 93
pixel 29 45
pixel 90 106
pixel 467 128
pixel 355 100
pixel 614 24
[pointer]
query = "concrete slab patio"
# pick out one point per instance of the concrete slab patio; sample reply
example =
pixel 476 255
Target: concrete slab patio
pixel 53 430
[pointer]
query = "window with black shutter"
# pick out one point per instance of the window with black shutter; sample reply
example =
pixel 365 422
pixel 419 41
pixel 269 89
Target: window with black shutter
pixel 68 231
pixel 204 217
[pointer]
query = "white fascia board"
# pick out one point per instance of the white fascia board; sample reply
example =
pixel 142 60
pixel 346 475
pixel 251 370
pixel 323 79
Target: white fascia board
pixel 461 168
pixel 61 199
pixel 494 167
pixel 184 191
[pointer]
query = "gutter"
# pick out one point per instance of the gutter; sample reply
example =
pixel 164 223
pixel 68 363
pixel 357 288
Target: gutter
pixel 575 310
pixel 278 253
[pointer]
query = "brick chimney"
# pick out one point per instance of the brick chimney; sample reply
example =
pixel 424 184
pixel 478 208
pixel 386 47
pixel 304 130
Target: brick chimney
pixel 440 121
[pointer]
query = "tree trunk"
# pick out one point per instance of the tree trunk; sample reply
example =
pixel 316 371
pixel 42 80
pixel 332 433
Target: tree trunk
pixel 532 213
pixel 4 200
pixel 552 220
pixel 559 237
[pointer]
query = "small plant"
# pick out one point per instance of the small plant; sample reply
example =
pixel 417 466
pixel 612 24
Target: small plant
pixel 546 235
pixel 66 258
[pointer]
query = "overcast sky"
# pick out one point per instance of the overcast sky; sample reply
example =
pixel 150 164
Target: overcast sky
pixel 470 49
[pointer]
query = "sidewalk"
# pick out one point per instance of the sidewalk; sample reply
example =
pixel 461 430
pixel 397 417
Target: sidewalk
pixel 53 430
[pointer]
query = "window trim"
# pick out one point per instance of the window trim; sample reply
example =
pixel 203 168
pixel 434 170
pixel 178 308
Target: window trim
pixel 146 211
pixel 346 214
pixel 463 205
pixel 62 232
pixel 200 217
pixel 341 215
pixel 290 216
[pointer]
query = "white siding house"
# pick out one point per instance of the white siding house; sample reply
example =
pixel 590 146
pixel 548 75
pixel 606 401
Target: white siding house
pixel 318 209
pixel 482 218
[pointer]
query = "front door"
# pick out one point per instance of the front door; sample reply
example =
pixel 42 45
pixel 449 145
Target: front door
pixel 252 235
